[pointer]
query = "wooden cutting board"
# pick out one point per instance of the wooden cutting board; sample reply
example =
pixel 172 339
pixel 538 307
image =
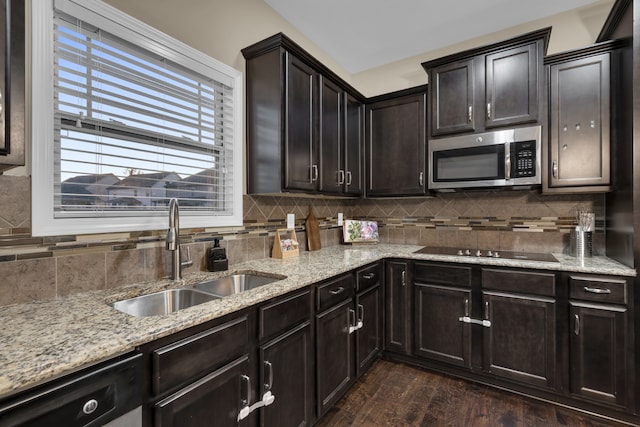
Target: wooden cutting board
pixel 313 232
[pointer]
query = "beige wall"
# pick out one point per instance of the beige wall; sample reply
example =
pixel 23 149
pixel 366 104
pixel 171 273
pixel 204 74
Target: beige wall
pixel 221 28
pixel 571 30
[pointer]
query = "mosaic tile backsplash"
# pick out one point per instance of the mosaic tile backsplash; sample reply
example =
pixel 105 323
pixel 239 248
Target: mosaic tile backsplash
pixel 35 268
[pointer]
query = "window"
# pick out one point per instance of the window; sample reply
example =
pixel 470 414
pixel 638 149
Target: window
pixel 124 118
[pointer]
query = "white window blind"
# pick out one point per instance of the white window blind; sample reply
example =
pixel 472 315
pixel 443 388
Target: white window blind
pixel 134 118
pixel 134 130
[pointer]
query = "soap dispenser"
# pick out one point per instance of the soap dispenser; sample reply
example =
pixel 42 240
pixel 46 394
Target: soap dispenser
pixel 217 257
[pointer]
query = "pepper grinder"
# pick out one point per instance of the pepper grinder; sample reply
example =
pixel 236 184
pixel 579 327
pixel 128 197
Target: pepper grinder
pixel 217 257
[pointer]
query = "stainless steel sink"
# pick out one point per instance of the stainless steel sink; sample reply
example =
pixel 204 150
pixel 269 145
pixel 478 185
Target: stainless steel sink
pixel 236 283
pixel 163 302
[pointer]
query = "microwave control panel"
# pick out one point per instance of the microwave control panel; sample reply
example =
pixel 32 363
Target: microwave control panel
pixel 523 159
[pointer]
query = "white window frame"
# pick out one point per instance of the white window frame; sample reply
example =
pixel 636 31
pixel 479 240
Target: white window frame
pixel 106 17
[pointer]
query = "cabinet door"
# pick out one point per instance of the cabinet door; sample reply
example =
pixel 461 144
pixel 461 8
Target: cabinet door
pixel 511 87
pixel 441 332
pixel 301 169
pixel 286 372
pixel 520 341
pixel 353 145
pixel 580 119
pixel 332 174
pixel 397 307
pixel 369 336
pixel 598 358
pixel 214 400
pixel 452 98
pixel 334 354
pixel 396 146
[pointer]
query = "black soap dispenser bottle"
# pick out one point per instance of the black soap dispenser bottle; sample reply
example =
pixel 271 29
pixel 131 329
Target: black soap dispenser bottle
pixel 217 257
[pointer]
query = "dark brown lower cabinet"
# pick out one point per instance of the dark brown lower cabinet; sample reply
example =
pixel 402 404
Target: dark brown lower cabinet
pixel 215 399
pixel 519 340
pixel 369 335
pixel 600 334
pixel 441 332
pixel 286 372
pixel 334 354
pixel 598 352
pixel 398 306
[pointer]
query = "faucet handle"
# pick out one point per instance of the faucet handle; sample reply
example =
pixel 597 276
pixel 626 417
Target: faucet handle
pixel 188 262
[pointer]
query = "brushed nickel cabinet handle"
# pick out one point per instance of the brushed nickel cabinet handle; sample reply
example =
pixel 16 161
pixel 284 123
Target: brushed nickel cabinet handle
pixel 470 114
pixel 369 276
pixel 352 322
pixel 268 367
pixel 554 169
pixel 421 179
pixel 247 396
pixel 576 325
pixel 314 173
pixel 466 307
pixel 404 278
pixel 597 290
pixel 336 291
pixel 349 178
pixel 340 177
pixel 486 322
pixel 488 110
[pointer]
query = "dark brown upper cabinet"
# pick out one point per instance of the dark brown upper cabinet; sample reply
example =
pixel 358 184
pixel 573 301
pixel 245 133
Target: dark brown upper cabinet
pixel 396 144
pixel 492 86
pixel 580 145
pixel 12 75
pixel 304 124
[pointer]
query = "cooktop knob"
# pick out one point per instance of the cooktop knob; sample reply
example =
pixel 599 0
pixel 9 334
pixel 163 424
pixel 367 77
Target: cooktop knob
pixel 496 254
pixel 467 252
pixel 478 253
pixel 489 253
pixel 460 252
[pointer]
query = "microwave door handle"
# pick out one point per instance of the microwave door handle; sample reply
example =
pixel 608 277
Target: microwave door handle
pixel 507 160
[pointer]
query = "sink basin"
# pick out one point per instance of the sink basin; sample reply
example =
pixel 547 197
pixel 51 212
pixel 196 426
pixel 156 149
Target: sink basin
pixel 235 283
pixel 163 302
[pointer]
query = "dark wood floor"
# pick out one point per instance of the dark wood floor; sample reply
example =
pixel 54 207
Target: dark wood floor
pixel 392 394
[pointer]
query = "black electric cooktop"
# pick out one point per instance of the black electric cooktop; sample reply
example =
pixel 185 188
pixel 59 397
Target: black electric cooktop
pixel 486 253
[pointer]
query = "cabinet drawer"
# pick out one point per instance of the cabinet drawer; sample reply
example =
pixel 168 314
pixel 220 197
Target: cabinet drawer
pixel 598 289
pixel 368 277
pixel 442 274
pixel 334 291
pixel 526 282
pixel 185 360
pixel 284 314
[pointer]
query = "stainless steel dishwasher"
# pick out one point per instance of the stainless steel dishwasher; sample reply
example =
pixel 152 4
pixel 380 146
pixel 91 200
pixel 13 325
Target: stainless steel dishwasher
pixel 106 394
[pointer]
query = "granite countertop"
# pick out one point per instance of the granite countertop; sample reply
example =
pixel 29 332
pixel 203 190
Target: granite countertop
pixel 46 339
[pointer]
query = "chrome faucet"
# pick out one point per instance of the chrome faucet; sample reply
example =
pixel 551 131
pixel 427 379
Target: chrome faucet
pixel 173 241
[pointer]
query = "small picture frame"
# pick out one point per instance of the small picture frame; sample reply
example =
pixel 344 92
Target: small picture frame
pixel 356 231
pixel 285 244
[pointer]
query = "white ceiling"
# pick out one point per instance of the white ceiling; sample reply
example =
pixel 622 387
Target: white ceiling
pixel 364 34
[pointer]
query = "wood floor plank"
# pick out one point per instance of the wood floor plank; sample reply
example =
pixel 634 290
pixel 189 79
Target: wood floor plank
pixel 396 395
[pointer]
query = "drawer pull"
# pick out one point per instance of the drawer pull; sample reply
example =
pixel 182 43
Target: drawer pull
pixel 597 290
pixel 336 291
pixel 369 276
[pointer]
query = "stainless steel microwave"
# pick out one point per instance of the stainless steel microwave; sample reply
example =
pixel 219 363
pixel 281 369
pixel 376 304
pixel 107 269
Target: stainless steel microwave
pixel 503 158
